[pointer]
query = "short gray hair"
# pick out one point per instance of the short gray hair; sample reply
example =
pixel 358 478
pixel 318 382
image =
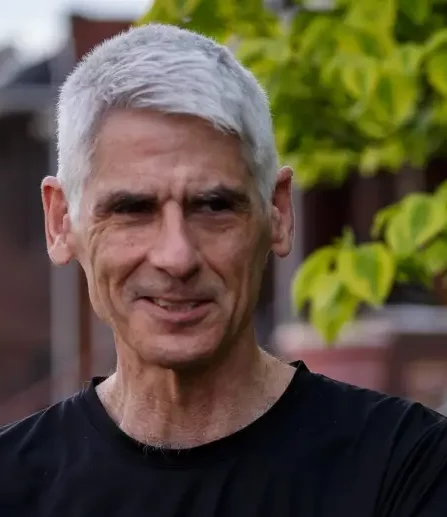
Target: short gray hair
pixel 170 70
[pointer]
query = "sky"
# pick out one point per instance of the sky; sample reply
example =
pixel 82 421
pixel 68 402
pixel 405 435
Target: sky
pixel 39 27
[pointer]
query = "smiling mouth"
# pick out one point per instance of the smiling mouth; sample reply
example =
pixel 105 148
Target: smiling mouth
pixel 176 306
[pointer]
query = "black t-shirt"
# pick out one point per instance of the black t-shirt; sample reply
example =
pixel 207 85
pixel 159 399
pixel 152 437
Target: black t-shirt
pixel 325 449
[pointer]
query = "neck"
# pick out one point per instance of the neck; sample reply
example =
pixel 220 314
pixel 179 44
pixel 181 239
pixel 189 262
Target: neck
pixel 187 408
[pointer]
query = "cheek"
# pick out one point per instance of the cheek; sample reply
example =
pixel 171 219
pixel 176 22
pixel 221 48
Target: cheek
pixel 113 256
pixel 236 257
pixel 117 247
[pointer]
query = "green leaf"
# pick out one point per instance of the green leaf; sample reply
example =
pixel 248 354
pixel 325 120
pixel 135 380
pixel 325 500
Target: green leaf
pixel 439 112
pixel 418 146
pixel 316 264
pixel 250 18
pixel 420 218
pixel 371 126
pixel 360 77
pixel 197 15
pixel 437 41
pixel 412 270
pixel 332 306
pixel 393 154
pixel 390 155
pixel 392 104
pixel 397 236
pixel 374 15
pixel 347 240
pixel 396 98
pixel 316 33
pixel 437 71
pixel 368 272
pixel 434 257
pixel 405 59
pixel 163 11
pixel 203 17
pixel 321 163
pixel 306 174
pixel 417 10
pixel 441 192
pixel 252 50
pixel 325 290
pixel 361 41
pixel 426 216
pixel 217 19
pixel 382 218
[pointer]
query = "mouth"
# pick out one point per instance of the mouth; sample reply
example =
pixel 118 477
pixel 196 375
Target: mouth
pixel 178 311
pixel 176 306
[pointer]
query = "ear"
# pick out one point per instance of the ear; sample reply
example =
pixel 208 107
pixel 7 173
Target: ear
pixel 282 213
pixel 57 222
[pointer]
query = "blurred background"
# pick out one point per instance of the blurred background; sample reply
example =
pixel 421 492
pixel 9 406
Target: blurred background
pixel 51 342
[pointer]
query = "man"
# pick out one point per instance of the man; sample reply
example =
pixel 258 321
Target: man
pixel 169 196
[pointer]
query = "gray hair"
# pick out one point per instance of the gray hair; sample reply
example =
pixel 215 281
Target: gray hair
pixel 170 70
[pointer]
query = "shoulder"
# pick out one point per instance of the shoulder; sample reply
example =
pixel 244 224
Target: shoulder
pixel 29 441
pixel 34 424
pixel 402 443
pixel 376 426
pixel 366 409
pixel 30 452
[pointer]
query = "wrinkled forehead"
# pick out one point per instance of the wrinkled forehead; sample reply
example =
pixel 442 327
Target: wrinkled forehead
pixel 165 155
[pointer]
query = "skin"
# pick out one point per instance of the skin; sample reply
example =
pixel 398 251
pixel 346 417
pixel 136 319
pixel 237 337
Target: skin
pixel 170 214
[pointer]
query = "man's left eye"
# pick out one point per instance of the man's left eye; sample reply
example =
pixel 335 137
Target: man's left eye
pixel 216 205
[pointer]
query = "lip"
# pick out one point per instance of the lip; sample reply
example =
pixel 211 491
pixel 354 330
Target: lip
pixel 188 317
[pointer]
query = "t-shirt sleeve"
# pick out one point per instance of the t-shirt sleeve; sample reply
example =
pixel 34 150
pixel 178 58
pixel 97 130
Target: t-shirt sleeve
pixel 415 482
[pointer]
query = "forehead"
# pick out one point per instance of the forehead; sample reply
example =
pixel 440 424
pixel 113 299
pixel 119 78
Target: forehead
pixel 145 150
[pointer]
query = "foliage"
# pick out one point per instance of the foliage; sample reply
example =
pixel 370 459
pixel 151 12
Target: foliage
pixel 360 86
pixel 337 278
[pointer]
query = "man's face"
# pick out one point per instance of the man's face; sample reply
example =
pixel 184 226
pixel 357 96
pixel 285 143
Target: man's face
pixel 172 237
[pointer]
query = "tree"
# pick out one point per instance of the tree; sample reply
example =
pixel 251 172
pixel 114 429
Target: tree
pixel 354 88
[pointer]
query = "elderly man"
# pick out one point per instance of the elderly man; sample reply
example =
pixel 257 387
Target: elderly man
pixel 169 195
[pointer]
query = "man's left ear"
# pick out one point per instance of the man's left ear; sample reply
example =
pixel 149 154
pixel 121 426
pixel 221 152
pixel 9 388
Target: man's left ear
pixel 282 217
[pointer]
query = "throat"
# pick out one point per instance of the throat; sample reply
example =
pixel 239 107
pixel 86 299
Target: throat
pixel 158 413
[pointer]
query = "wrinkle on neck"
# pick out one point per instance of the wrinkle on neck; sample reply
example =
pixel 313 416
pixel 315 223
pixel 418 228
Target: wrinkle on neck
pixel 165 408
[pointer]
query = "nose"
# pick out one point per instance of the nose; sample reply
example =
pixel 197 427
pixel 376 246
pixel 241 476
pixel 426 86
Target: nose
pixel 174 251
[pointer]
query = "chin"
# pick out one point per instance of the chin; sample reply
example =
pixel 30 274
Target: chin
pixel 180 352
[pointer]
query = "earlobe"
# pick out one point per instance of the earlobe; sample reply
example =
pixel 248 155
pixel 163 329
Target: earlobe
pixel 57 222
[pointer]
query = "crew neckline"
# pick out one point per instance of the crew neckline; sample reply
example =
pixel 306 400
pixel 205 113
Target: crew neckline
pixel 242 440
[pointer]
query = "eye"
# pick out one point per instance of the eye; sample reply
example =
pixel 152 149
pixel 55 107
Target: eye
pixel 217 204
pixel 214 204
